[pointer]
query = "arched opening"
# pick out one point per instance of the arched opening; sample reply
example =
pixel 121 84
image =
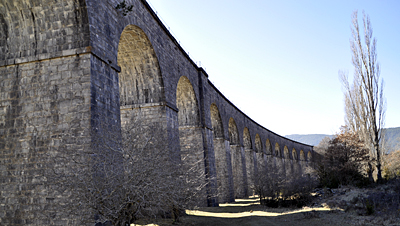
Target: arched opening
pixel 309 156
pixel 190 134
pixel 216 122
pixel 238 166
pixel 309 159
pixel 286 152
pixel 277 150
pixel 188 115
pixel 222 158
pixel 141 90
pixel 302 161
pixel 269 156
pixel 260 163
pixel 286 161
pixel 294 154
pixel 277 159
pixel 140 80
pixel 258 143
pixel 302 156
pixel 233 132
pixel 246 138
pixel 296 163
pixel 250 157
pixel 268 147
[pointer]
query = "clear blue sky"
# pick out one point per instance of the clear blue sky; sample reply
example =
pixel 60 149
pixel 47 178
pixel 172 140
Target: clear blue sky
pixel 278 61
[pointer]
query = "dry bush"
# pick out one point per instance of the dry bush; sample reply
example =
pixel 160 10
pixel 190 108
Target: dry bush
pixel 126 176
pixel 391 167
pixel 277 190
pixel 346 161
pixel 386 201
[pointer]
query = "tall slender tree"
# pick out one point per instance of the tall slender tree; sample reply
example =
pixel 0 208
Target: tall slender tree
pixel 365 104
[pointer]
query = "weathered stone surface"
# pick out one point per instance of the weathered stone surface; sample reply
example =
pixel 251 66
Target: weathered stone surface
pixel 68 66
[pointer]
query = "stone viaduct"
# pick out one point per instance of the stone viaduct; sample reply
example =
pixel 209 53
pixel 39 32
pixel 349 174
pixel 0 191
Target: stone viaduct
pixel 67 65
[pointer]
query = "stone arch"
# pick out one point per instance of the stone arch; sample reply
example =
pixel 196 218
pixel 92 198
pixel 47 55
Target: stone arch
pixel 287 161
pixel 216 122
pixel 247 139
pixel 238 163
pixel 270 160
pixel 277 150
pixel 294 154
pixel 222 158
pixel 268 147
pixel 188 114
pixel 233 132
pixel 141 89
pixel 286 152
pixel 140 80
pixel 258 144
pixel 302 156
pixel 296 164
pixel 309 156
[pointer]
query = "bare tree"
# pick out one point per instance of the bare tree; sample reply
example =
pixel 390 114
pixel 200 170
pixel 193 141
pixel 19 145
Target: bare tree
pixel 125 176
pixel 365 104
pixel 322 146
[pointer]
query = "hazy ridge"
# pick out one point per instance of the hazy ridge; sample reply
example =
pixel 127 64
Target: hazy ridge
pixel 392 138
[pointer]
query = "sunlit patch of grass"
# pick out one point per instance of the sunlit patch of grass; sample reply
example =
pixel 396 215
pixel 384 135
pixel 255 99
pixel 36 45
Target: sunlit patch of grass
pixel 257 213
pixel 144 225
pixel 242 202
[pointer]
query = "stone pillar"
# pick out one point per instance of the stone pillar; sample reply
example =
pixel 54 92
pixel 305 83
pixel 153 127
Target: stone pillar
pixel 244 171
pixel 224 170
pixel 280 166
pixel 303 165
pixel 298 168
pixel 250 163
pixel 193 157
pixel 221 165
pixel 211 174
pixel 230 173
pixel 261 163
pixel 239 181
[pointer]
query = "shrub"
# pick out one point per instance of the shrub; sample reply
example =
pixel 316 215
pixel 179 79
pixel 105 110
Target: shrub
pixel 345 162
pixel 277 190
pixel 387 200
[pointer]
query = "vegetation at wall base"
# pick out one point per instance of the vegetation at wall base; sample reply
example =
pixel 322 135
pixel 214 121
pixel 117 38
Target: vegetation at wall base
pixel 292 190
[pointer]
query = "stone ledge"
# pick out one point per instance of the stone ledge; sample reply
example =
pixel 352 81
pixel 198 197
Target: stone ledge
pixel 59 54
pixel 149 105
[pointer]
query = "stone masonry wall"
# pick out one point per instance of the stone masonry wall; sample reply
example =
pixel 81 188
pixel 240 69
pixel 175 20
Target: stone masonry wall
pixel 44 106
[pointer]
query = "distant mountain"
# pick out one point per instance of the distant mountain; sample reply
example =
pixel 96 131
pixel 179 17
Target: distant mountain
pixel 392 138
pixel 311 139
